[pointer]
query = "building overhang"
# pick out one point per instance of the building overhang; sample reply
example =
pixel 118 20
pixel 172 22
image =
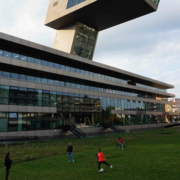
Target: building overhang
pixel 98 14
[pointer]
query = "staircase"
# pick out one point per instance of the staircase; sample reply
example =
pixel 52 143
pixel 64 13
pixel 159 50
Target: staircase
pixel 78 132
pixel 114 128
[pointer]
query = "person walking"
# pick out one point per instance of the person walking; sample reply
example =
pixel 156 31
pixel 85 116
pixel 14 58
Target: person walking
pixel 101 159
pixel 120 142
pixel 7 163
pixel 70 152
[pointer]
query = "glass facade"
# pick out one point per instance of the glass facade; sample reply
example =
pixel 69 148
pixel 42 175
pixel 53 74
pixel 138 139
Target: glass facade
pixel 31 59
pixel 81 110
pixel 80 84
pixel 70 102
pixel 85 41
pixel 42 121
pixel 72 3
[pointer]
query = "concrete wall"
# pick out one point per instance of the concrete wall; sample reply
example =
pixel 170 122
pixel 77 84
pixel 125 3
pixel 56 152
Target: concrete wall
pixel 59 133
pixel 64 38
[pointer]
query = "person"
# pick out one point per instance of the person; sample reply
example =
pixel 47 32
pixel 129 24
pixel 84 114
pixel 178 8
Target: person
pixel 120 142
pixel 7 163
pixel 70 152
pixel 101 159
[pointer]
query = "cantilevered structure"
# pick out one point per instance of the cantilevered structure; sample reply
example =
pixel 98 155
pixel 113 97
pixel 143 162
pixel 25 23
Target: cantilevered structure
pixel 78 22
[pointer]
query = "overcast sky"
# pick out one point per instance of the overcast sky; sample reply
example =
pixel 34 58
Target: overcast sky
pixel 149 45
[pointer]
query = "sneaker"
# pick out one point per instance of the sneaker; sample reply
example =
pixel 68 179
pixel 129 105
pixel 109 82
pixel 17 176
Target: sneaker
pixel 111 166
pixel 69 161
pixel 72 160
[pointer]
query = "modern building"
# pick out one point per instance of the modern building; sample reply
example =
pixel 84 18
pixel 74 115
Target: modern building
pixel 42 89
pixel 176 108
pixel 78 22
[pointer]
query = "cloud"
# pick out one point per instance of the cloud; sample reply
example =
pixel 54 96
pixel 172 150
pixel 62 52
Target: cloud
pixel 148 46
pixel 25 19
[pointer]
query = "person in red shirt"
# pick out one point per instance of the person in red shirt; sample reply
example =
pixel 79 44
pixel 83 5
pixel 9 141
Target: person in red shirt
pixel 101 159
pixel 120 142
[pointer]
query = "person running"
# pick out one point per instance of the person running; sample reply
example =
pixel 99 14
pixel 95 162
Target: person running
pixel 70 152
pixel 7 163
pixel 120 142
pixel 101 159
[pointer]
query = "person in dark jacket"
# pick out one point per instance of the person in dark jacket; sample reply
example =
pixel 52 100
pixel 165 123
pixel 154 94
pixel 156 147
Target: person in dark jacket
pixel 7 163
pixel 70 152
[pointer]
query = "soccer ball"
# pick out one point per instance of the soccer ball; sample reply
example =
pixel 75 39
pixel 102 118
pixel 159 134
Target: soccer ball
pixel 101 170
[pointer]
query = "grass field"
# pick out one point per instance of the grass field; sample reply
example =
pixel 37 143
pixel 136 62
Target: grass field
pixel 150 155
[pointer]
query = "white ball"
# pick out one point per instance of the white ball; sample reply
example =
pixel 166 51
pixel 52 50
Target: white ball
pixel 102 170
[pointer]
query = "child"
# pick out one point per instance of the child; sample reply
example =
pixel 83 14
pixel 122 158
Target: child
pixel 120 142
pixel 102 159
pixel 70 152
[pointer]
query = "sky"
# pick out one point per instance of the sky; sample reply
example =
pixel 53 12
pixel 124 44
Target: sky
pixel 148 46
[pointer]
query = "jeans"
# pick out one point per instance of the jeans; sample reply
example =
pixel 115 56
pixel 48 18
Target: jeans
pixel 70 156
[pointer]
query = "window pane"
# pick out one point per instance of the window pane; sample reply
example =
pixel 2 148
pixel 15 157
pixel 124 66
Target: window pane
pixel 30 59
pixel 1 52
pixel 38 61
pixel 3 122
pixel 31 78
pixel 23 58
pixel 6 74
pixel 15 56
pixel 22 77
pixel 14 76
pixel 7 54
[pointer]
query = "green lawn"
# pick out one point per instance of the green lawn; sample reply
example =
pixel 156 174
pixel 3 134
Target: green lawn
pixel 150 155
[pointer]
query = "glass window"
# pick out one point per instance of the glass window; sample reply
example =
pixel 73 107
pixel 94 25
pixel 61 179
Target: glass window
pixel 50 64
pixel 22 77
pixel 22 121
pixel 46 98
pixel 31 78
pixel 44 63
pixel 53 96
pixel 50 81
pixel 4 91
pixel 5 74
pixel 13 122
pixel 37 61
pixel 1 52
pixel 31 60
pixel 14 76
pixel 37 80
pixel 78 71
pixel 62 67
pixel 38 97
pixel 61 83
pixel 73 69
pixel 56 82
pixel 56 66
pixel 23 58
pixel 3 122
pixel 67 68
pixel 7 54
pixel 15 56
pixel 44 80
